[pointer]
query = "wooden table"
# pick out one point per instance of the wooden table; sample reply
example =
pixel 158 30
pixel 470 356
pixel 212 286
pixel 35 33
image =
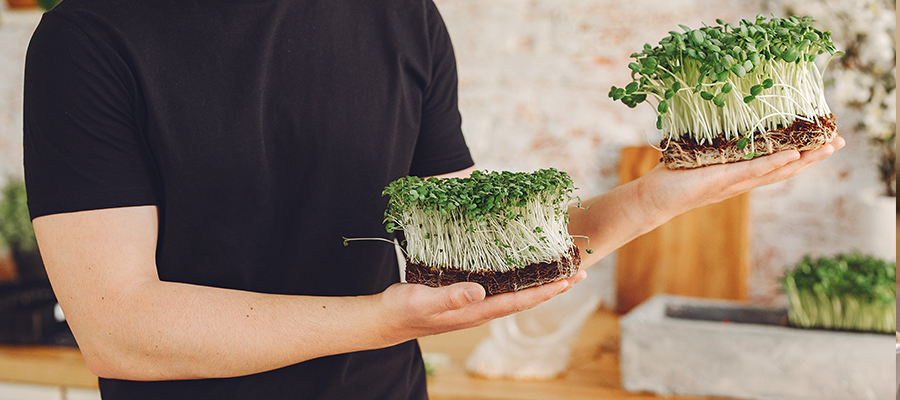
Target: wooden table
pixel 45 365
pixel 593 371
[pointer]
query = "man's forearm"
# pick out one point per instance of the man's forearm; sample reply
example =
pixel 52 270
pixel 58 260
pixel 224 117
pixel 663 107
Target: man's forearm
pixel 162 330
pixel 610 220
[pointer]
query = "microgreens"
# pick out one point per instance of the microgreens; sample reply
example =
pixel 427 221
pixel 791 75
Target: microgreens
pixel 848 291
pixel 731 80
pixel 489 221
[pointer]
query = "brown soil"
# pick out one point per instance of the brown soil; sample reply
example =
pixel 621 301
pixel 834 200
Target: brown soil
pixel 801 136
pixel 498 282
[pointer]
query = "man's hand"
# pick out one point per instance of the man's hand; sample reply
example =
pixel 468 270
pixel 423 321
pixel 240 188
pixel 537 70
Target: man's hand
pixel 676 191
pixel 615 218
pixel 418 310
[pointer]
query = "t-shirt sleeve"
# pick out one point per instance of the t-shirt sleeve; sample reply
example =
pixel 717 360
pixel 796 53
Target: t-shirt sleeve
pixel 82 147
pixel 441 147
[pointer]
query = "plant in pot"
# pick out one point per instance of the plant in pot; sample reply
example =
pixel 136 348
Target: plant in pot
pixel 853 292
pixel 18 233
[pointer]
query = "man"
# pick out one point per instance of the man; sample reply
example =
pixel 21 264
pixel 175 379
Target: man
pixel 192 166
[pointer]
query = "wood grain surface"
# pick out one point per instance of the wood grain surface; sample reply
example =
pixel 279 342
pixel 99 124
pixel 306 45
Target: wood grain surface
pixel 702 253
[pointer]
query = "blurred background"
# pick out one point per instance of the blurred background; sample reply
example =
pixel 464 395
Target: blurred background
pixel 533 83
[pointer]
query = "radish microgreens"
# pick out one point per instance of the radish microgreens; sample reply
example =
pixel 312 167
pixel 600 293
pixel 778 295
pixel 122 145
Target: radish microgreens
pixel 492 221
pixel 847 291
pixel 731 80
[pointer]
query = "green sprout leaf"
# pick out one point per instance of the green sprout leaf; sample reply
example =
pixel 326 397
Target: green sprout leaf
pixel 663 107
pixel 790 55
pixel 632 87
pixel 755 90
pixel 719 100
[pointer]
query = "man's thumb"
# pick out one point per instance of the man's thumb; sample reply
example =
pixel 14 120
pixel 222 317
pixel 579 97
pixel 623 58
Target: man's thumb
pixel 460 295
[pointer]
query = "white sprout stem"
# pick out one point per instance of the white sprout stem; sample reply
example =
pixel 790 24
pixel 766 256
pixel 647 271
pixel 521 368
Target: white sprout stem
pixel 797 93
pixel 538 234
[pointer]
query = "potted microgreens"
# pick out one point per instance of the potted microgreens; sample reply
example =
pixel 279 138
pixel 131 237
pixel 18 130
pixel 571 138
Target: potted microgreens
pixel 504 230
pixel 845 292
pixel 729 92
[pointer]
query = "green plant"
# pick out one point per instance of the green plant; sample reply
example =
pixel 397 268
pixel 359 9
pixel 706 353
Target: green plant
pixel 15 222
pixel 846 291
pixel 494 221
pixel 48 4
pixel 731 80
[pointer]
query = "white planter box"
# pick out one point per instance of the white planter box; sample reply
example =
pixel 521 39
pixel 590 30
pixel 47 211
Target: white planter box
pixel 755 359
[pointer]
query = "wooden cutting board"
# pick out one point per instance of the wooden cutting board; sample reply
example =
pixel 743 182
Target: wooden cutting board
pixel 702 253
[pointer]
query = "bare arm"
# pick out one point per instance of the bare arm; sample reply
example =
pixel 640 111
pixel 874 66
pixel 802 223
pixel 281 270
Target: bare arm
pixel 615 218
pixel 131 325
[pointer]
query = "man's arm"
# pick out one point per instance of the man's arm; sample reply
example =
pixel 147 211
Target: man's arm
pixel 615 218
pixel 130 325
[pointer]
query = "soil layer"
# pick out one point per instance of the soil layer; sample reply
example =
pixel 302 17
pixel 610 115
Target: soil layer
pixel 802 135
pixel 498 282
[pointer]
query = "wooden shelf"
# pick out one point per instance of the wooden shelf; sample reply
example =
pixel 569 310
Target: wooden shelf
pixel 593 371
pixel 45 365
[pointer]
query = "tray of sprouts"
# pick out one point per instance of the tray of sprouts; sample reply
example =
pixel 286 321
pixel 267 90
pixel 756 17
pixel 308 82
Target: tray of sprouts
pixel 853 291
pixel 727 93
pixel 504 230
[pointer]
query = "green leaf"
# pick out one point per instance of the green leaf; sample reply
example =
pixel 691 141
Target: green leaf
pixel 790 55
pixel 669 94
pixel 632 87
pixel 742 143
pixel 663 107
pixel 748 99
pixel 755 90
pixel 719 100
pixel 620 93
pixel 676 86
pixel 659 122
pixel 726 88
pixel 706 95
pixel 768 83
pixel 738 70
pixel 751 156
pixel 686 29
pixel 635 67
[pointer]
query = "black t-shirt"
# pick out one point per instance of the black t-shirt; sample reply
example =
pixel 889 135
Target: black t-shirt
pixel 264 131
